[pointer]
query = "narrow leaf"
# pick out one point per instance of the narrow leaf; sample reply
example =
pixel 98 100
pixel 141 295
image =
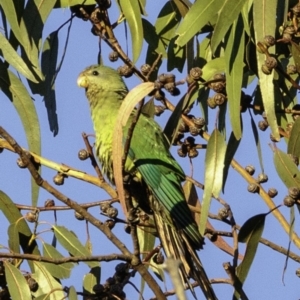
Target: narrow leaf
pixel 296 55
pixel 286 169
pixel 49 60
pixel 13 215
pixel 17 93
pixel 227 15
pixel 72 244
pixel 13 58
pixel 234 57
pixel 231 148
pixel 128 104
pixel 89 281
pixel 214 164
pixel 214 66
pixel 265 24
pixel 132 13
pixel 47 283
pixel 72 294
pixel 11 14
pixel 294 140
pixel 17 284
pixel 250 233
pixel 199 15
pixel 257 143
pixel 58 271
pixel 68 3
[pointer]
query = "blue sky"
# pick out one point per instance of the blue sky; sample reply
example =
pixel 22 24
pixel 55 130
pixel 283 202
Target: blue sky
pixel 265 277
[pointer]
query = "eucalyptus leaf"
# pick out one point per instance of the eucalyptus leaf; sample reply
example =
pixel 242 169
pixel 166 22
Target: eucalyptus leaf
pixel 227 15
pixel 72 244
pixel 199 15
pixel 234 57
pixel 17 284
pixel 294 140
pixel 265 24
pixel 132 13
pixel 17 93
pixel 214 164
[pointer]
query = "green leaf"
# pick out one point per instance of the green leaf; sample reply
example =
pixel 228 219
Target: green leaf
pixel 234 57
pixel 286 169
pixel 294 140
pixel 183 6
pixel 132 13
pixel 146 240
pixel 257 143
pixel 214 66
pixel 17 284
pixel 17 93
pixel 13 15
pixel 231 148
pixel 13 215
pixel 227 15
pixel 47 283
pixel 49 60
pixel 265 24
pixel 296 55
pixel 214 164
pixel 199 15
pixel 32 23
pixel 68 3
pixel 166 23
pixel 58 271
pixel 72 294
pixel 89 281
pixel 173 122
pixel 13 58
pixel 176 56
pixel 72 244
pixel 250 233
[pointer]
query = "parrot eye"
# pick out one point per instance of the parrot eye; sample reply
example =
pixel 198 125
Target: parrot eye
pixel 95 73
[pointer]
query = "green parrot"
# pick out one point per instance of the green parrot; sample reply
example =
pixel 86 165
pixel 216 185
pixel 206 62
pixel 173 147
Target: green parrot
pixel 150 161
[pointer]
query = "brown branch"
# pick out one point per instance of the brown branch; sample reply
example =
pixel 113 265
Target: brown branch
pixel 234 280
pixel 75 259
pixel 135 263
pixel 92 157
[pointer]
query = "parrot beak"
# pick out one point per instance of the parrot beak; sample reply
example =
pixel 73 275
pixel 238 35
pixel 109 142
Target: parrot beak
pixel 82 81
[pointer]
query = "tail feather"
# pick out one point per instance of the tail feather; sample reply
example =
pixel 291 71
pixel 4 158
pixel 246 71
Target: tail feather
pixel 176 245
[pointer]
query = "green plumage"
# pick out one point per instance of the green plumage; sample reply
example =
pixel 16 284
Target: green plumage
pixel 150 160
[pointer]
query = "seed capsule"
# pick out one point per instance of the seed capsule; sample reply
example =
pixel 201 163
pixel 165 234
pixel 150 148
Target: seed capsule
pixel 223 213
pixel 83 154
pixel 219 98
pixel 20 163
pixel 159 109
pixel 263 125
pixel 269 40
pixel 31 217
pixel 250 169
pixel 199 122
pixel 289 201
pixel 211 102
pixel 262 178
pixel 265 69
pixel 272 192
pixel 294 192
pixel 193 152
pixel 253 188
pixel 196 73
pixel 33 285
pixel 79 216
pixel 291 69
pixel 194 130
pixel 159 95
pixel 49 203
pixel 113 56
pixel 181 152
pixel 218 87
pixel 145 69
pixel 125 71
pixel 271 62
pixel 59 179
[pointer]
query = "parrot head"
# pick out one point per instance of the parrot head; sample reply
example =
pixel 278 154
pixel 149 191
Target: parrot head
pixel 100 80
